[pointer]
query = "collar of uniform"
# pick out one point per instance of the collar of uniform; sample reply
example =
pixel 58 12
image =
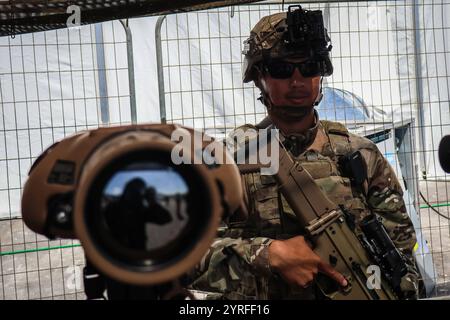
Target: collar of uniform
pixel 297 143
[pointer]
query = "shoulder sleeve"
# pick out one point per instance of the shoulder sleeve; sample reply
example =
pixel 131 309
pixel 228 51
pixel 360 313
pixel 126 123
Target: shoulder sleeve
pixel 385 198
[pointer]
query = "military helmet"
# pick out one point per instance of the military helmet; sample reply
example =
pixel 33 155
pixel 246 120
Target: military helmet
pixel 297 32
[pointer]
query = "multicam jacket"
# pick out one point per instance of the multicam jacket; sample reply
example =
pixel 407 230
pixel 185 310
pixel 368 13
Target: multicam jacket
pixel 236 265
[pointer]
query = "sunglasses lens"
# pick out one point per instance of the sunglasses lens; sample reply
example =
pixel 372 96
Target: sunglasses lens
pixel 280 70
pixel 284 70
pixel 310 69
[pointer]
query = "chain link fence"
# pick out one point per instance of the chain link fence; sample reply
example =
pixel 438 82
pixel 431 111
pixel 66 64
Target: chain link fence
pixel 52 84
pixel 390 83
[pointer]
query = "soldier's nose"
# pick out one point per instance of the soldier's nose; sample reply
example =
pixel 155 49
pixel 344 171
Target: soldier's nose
pixel 297 78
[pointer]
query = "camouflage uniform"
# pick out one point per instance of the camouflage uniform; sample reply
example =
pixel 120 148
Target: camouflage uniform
pixel 236 266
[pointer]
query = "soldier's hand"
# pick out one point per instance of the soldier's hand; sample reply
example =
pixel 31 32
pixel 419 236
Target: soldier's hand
pixel 297 264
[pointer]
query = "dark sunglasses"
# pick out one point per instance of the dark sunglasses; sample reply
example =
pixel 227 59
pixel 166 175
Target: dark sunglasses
pixel 285 70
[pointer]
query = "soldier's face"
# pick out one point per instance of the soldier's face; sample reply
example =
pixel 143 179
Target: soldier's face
pixel 296 90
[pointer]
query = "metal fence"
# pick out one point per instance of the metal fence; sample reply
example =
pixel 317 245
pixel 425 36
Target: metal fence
pixel 52 84
pixel 390 60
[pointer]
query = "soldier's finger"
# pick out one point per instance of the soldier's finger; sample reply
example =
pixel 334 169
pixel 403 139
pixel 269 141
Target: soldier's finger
pixel 328 270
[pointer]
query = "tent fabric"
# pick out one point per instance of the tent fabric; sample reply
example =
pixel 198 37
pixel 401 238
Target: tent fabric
pixel 49 81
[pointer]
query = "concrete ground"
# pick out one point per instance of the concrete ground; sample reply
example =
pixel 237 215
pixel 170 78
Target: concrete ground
pixel 48 274
pixel 436 231
pixel 57 273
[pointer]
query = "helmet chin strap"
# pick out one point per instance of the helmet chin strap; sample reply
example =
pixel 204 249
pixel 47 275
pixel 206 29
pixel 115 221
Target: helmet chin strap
pixel 320 94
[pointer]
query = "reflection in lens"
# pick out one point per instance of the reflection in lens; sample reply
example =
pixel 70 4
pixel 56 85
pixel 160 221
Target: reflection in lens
pixel 144 206
pixel 143 213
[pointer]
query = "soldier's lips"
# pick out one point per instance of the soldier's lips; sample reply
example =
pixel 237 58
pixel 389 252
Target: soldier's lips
pixel 290 113
pixel 298 100
pixel 297 96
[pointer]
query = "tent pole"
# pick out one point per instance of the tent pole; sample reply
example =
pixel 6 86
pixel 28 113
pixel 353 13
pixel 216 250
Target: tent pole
pixel 159 66
pixel 326 19
pixel 102 84
pixel 419 89
pixel 131 81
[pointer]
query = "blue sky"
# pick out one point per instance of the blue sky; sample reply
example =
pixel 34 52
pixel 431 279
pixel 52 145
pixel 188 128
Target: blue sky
pixel 165 181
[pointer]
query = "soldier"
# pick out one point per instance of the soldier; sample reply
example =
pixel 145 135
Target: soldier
pixel 261 254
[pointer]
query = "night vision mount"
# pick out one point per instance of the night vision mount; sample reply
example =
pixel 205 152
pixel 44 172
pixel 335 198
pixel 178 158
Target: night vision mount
pixel 306 33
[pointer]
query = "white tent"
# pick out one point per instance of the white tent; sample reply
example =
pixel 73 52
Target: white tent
pixel 57 82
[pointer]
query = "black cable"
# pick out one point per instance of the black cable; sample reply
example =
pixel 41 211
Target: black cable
pixel 443 216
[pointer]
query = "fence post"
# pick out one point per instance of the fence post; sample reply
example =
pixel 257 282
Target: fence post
pixel 159 66
pixel 130 59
